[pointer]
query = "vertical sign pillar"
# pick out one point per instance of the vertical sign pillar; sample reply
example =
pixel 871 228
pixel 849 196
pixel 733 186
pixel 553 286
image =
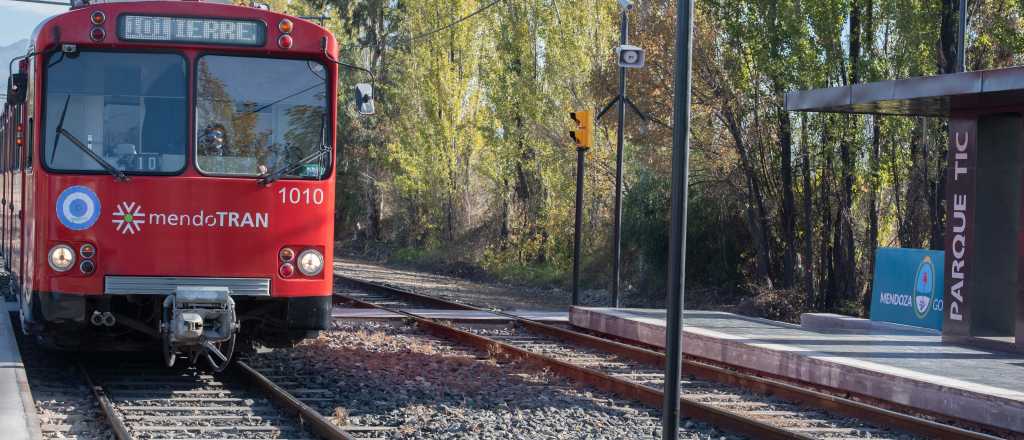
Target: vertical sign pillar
pixel 961 189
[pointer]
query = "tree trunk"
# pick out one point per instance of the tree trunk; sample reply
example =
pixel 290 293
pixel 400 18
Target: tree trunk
pixel 936 190
pixel 808 225
pixel 876 141
pixel 938 208
pixel 846 261
pixel 948 30
pixel 756 199
pixel 788 204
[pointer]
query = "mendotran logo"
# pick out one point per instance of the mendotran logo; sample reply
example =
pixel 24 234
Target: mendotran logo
pixel 129 219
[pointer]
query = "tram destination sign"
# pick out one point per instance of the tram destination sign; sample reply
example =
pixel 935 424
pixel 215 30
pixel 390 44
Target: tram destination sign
pixel 191 30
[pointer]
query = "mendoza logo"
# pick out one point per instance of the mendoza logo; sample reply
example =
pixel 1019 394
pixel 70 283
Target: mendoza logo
pixel 924 288
pixel 78 208
pixel 129 218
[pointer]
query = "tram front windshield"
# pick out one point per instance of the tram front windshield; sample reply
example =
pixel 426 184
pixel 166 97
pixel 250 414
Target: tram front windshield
pixel 261 117
pixel 129 109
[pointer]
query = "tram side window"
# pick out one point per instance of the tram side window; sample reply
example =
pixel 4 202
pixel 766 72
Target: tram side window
pixel 255 116
pixel 129 108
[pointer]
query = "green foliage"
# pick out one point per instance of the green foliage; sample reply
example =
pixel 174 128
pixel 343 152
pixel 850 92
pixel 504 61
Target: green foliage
pixel 468 160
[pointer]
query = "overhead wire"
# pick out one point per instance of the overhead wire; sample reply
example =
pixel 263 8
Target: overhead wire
pixel 456 22
pixel 431 32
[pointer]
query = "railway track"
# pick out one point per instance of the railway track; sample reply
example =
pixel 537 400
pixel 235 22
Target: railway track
pixel 732 400
pixel 125 398
pixel 146 401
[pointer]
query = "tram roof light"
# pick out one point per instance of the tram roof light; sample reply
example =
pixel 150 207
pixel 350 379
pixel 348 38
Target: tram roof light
pixel 97 17
pixel 285 41
pixel 97 34
pixel 285 26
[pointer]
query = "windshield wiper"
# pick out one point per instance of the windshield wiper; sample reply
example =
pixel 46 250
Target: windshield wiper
pixel 288 168
pixel 323 150
pixel 118 174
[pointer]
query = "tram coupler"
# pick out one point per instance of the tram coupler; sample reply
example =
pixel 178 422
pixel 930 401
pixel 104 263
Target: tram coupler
pixel 99 319
pixel 199 322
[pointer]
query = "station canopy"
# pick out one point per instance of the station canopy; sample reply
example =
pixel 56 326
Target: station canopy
pixel 938 95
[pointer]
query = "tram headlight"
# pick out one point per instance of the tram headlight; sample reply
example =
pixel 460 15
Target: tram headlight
pixel 311 262
pixel 61 257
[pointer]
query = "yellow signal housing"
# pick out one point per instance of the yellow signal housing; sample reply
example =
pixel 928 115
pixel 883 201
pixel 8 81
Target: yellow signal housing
pixel 583 134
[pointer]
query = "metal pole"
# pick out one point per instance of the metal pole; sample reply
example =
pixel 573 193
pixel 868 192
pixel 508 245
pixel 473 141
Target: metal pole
pixel 580 154
pixel 677 233
pixel 961 44
pixel 617 235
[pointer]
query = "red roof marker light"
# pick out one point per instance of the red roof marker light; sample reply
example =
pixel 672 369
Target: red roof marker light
pixel 285 41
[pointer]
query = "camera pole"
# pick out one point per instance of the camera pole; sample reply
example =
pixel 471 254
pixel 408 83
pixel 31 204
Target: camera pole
pixel 617 234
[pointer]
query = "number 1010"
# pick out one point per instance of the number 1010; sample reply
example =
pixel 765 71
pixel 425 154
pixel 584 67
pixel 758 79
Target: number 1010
pixel 297 196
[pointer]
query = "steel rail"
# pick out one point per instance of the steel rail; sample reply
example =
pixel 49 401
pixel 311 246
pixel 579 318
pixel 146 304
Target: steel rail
pixel 292 405
pixel 623 388
pixel 116 424
pixel 307 416
pixel 766 386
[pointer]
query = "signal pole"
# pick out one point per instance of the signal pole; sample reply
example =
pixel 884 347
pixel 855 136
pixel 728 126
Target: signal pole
pixel 584 139
pixel 581 153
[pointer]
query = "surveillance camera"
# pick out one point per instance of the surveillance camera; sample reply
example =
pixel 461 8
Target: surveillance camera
pixel 626 5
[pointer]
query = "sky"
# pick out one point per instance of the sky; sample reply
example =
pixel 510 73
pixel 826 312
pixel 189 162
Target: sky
pixel 18 19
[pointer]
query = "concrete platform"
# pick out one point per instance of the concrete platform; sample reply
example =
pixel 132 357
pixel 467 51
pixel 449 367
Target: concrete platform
pixel 832 321
pixel 907 367
pixel 357 314
pixel 18 417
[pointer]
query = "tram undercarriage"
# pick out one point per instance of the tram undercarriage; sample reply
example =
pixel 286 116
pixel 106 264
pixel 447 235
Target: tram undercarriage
pixel 193 324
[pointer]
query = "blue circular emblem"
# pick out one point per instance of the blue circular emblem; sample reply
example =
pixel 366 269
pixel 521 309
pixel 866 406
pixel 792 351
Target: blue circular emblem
pixel 924 288
pixel 78 208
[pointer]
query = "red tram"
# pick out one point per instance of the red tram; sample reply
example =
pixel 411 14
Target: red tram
pixel 167 178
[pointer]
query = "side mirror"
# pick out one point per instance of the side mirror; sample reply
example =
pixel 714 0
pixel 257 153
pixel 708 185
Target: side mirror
pixel 364 99
pixel 17 86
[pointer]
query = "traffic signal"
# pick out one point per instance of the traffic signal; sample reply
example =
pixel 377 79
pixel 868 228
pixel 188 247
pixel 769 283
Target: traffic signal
pixel 583 134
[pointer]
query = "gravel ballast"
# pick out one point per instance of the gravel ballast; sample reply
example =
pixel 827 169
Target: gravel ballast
pixel 421 387
pixel 66 407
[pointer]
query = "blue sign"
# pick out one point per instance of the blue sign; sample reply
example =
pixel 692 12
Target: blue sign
pixel 908 287
pixel 78 208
